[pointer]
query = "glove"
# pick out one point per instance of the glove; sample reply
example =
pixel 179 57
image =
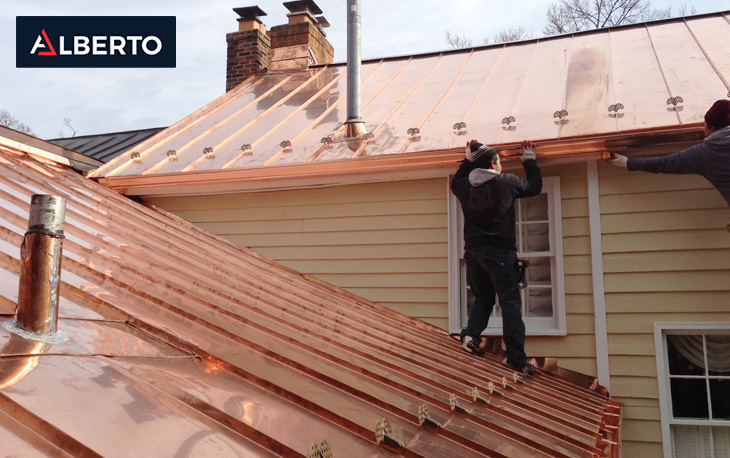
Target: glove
pixel 467 153
pixel 618 160
pixel 528 151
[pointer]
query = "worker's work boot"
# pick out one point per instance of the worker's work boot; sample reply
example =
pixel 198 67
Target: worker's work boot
pixel 471 345
pixel 528 370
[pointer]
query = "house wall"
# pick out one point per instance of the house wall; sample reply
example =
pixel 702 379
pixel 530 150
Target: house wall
pixel 386 242
pixel 666 259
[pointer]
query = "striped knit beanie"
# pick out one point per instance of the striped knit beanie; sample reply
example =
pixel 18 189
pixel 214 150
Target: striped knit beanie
pixel 479 150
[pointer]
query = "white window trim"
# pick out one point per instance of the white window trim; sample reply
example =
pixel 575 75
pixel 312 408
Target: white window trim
pixel 455 278
pixel 661 330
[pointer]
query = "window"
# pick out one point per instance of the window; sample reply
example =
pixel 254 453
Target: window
pixel 694 380
pixel 539 239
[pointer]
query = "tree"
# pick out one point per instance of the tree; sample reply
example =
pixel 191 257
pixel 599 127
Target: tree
pixel 8 120
pixel 67 123
pixel 511 34
pixel 568 16
pixel 457 41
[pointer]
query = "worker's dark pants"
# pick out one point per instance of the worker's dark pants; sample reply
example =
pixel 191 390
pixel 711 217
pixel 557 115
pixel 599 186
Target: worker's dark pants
pixel 491 271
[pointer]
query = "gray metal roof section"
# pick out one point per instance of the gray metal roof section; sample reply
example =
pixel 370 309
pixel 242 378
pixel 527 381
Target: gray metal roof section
pixel 106 147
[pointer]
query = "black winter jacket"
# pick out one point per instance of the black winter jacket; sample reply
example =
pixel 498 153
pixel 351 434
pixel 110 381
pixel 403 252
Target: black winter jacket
pixel 489 209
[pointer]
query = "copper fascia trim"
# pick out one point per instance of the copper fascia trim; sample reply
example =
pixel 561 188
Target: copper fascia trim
pixel 566 148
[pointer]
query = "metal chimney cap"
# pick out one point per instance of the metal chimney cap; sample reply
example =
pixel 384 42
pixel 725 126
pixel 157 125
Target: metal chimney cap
pixel 322 23
pixel 302 6
pixel 249 12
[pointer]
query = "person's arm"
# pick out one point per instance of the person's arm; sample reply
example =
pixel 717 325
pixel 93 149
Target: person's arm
pixel 462 173
pixel 682 162
pixel 532 186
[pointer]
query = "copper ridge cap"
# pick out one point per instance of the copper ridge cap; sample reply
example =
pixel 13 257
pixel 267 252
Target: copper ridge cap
pixel 532 40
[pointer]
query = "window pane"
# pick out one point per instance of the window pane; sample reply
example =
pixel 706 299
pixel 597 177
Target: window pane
pixel 534 208
pixel 720 394
pixel 718 354
pixel 689 398
pixel 535 237
pixel 539 272
pixel 539 302
pixel 685 354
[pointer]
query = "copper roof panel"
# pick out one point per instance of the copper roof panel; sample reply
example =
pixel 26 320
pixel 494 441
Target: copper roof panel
pixel 713 36
pixel 194 344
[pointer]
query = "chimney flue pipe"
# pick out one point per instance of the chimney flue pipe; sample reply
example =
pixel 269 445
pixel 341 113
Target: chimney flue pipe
pixel 40 266
pixel 355 125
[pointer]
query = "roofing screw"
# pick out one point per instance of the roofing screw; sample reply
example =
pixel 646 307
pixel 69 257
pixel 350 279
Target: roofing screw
pixel 247 150
pixel 326 140
pixel 320 449
pixel 172 154
pixel 285 144
pixel 414 131
pixel 208 153
pixel 674 101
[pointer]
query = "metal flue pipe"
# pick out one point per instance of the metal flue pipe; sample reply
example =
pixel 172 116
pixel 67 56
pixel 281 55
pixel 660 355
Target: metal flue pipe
pixel 40 266
pixel 354 125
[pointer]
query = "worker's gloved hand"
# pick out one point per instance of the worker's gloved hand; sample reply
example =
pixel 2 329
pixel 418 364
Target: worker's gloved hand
pixel 619 160
pixel 467 152
pixel 528 151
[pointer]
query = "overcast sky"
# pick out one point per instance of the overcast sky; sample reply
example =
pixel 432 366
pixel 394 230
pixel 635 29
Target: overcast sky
pixel 110 100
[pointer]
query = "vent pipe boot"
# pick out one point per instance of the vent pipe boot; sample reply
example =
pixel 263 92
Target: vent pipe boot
pixel 355 127
pixel 40 270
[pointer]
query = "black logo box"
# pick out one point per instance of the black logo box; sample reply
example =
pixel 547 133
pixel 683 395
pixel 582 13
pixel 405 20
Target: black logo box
pixel 29 28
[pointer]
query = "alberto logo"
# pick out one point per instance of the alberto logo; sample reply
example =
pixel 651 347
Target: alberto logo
pixel 95 41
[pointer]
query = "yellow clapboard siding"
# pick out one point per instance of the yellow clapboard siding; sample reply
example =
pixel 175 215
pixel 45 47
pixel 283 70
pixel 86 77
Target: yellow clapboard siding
pixel 580 324
pixel 578 284
pixel 571 346
pixel 571 188
pixel 643 323
pixel 662 201
pixel 576 245
pixel 424 310
pixel 635 387
pixel 574 208
pixel 637 402
pixel 577 265
pixel 367 223
pixel 370 266
pixel 420 280
pixel 573 227
pixel 586 366
pixel 370 192
pixel 666 241
pixel 660 261
pixel 341 238
pixel 642 431
pixel 641 449
pixel 442 323
pixel 638 182
pixel 579 303
pixel 657 302
pixel 403 294
pixel 716 280
pixel 306 210
pixel 409 251
pixel 631 344
pixel 642 413
pixel 575 170
pixel 639 366
pixel 664 220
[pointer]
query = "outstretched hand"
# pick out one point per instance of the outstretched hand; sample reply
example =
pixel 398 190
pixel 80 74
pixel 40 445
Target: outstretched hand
pixel 528 151
pixel 619 160
pixel 467 152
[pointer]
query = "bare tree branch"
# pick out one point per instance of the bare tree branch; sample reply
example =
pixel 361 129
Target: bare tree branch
pixel 8 120
pixel 67 123
pixel 511 34
pixel 457 41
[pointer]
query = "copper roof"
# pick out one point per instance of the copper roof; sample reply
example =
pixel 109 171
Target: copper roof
pixel 182 343
pixel 644 77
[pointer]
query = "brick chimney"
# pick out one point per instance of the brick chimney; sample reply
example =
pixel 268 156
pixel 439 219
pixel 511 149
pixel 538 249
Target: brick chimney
pixel 249 49
pixel 302 42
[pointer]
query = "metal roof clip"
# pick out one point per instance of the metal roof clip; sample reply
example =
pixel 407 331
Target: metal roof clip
pixel 613 110
pixel 384 434
pixel 135 156
pixel 171 154
pixel 459 126
pixel 326 140
pixel 247 149
pixel 413 131
pixel 286 144
pixel 562 114
pixel 477 397
pixel 208 153
pixel 425 419
pixel 320 449
pixel 728 95
pixel 675 101
pixel 455 407
pixel 508 123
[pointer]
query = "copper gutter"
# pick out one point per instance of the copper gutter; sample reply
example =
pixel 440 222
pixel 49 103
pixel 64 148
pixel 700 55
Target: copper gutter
pixel 658 140
pixel 40 267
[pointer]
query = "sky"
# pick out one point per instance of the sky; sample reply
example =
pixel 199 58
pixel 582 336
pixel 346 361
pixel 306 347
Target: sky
pixel 112 100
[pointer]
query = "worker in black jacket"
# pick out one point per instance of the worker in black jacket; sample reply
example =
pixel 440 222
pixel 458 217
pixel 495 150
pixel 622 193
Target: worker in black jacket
pixel 487 198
